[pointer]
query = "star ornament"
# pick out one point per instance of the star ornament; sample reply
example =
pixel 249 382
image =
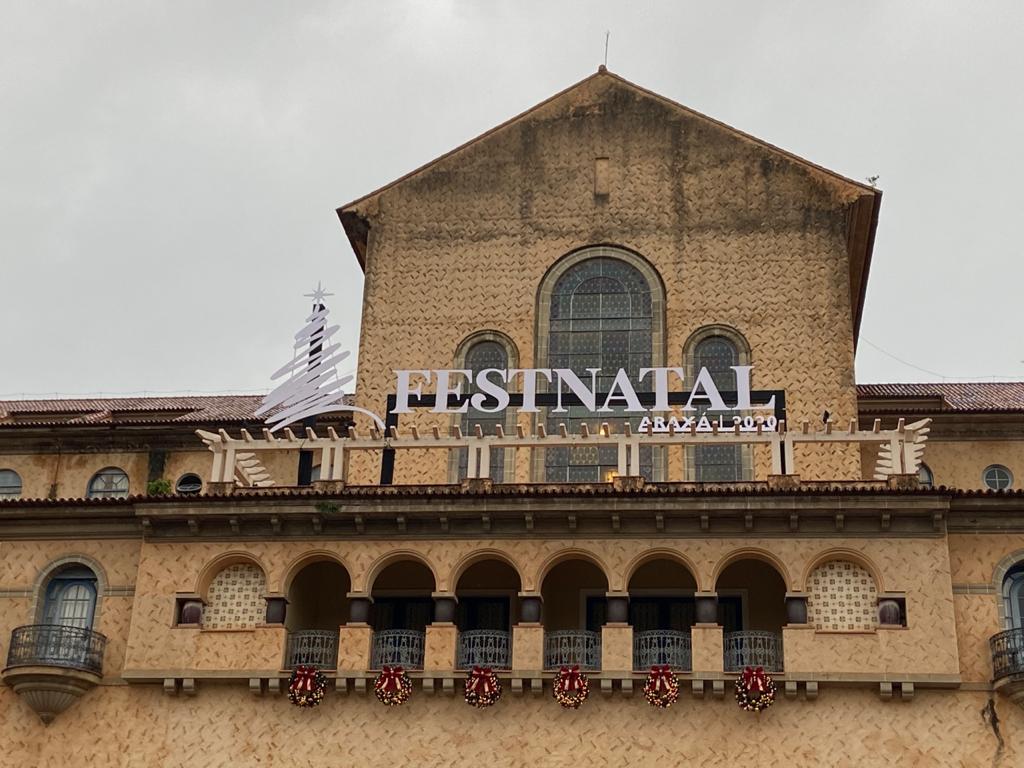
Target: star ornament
pixel 319 293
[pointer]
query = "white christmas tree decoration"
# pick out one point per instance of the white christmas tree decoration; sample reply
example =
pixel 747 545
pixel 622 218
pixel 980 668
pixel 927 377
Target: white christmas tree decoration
pixel 313 385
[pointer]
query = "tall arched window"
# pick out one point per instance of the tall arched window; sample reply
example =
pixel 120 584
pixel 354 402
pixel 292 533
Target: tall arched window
pixel 1013 597
pixel 603 311
pixel 488 352
pixel 717 463
pixel 70 599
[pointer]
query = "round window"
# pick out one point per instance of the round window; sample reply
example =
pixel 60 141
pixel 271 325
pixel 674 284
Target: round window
pixel 997 477
pixel 188 484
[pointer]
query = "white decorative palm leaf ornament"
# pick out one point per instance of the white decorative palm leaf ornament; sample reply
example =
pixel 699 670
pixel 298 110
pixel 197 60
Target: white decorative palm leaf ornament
pixel 903 457
pixel 313 385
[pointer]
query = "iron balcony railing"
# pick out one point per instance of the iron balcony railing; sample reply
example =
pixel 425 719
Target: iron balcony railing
pixel 572 646
pixel 1007 653
pixel 397 647
pixel 753 649
pixel 56 645
pixel 659 647
pixel 484 648
pixel 313 647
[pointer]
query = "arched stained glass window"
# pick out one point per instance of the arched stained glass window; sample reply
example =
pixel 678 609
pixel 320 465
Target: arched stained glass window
pixel 717 463
pixel 601 316
pixel 481 356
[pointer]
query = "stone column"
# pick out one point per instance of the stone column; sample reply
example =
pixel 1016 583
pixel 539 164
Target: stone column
pixel 796 608
pixel 356 638
pixel 359 608
pixel 277 608
pixel 707 607
pixel 707 649
pixel 528 635
pixel 617 635
pixel 442 635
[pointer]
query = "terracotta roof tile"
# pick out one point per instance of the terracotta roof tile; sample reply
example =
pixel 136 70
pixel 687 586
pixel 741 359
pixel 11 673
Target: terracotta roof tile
pixel 951 396
pixel 204 409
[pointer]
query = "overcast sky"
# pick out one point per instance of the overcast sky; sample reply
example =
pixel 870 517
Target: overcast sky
pixel 169 171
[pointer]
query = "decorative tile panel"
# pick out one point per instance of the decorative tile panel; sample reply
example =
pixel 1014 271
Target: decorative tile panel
pixel 235 598
pixel 842 596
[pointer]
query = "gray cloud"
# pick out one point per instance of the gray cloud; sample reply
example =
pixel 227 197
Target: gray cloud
pixel 169 171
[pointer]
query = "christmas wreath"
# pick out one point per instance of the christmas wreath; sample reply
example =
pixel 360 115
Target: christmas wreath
pixel 571 687
pixel 755 690
pixel 306 687
pixel 482 687
pixel 662 688
pixel 392 686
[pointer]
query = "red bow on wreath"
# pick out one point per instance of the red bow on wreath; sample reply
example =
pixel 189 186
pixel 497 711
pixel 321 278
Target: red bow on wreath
pixel 391 679
pixel 305 679
pixel 480 681
pixel 569 679
pixel 661 677
pixel 755 679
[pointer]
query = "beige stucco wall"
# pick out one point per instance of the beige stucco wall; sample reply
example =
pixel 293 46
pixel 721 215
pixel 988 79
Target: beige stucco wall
pixel 960 464
pixel 72 471
pixel 227 726
pixel 918 567
pixel 740 236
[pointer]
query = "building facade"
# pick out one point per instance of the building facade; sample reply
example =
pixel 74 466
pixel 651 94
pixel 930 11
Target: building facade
pixel 166 564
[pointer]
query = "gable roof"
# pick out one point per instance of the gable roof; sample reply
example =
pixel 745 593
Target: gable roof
pixel 864 215
pixel 945 397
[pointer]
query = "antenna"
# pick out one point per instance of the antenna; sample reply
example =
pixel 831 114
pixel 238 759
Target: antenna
pixel 607 34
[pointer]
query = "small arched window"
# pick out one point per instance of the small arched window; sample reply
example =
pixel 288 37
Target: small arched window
pixel 10 484
pixel 70 598
pixel 925 478
pixel 188 484
pixel 481 356
pixel 997 477
pixel 842 597
pixel 717 463
pixel 109 483
pixel 235 598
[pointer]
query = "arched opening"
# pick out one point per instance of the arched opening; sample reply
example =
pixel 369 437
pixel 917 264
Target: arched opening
pixel 752 612
pixel 69 597
pixel 235 597
pixel 63 636
pixel 487 609
pixel 842 597
pixel 1013 597
pixel 402 609
pixel 575 607
pixel 317 606
pixel 662 611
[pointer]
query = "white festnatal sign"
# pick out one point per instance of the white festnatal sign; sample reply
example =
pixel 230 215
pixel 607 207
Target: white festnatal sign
pixel 313 386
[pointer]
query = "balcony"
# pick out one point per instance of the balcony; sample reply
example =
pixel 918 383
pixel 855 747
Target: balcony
pixel 660 647
pixel 312 647
pixel 753 649
pixel 52 665
pixel 397 647
pixel 571 647
pixel 1008 663
pixel 484 648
